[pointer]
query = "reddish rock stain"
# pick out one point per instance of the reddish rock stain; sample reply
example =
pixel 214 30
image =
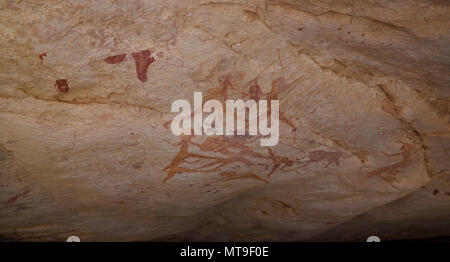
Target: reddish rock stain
pixel 143 61
pixel 300 29
pixel 339 29
pixel 16 197
pixel 363 34
pixel 105 117
pixel 62 85
pixel 234 176
pixel 435 192
pixel 255 92
pixel 137 165
pixel 41 56
pixel 115 59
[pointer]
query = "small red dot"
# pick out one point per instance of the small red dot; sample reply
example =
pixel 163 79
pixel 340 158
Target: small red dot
pixel 339 29
pixel 300 29
pixel 348 33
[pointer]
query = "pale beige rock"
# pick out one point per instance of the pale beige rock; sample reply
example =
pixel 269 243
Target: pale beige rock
pixel 368 80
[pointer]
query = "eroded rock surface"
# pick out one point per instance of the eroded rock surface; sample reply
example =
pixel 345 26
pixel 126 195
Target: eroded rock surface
pixel 85 140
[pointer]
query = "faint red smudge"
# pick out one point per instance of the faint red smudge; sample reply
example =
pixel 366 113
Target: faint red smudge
pixel 62 86
pixel 255 92
pixel 137 165
pixel 16 197
pixel 300 29
pixel 115 59
pixel 394 168
pixel 105 117
pixel 435 192
pixel 143 61
pixel 41 56
pixel 320 155
pixel 233 176
pixel 339 29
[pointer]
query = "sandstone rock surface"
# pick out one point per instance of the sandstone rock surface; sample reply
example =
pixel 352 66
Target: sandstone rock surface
pixel 85 94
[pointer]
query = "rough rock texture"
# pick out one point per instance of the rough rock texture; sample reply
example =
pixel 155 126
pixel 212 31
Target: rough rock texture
pixel 85 94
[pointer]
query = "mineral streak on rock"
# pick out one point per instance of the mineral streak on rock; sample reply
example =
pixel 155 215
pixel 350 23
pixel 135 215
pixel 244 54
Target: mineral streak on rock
pixel 143 61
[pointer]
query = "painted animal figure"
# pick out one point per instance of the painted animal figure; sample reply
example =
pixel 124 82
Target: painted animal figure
pixel 394 168
pixel 320 155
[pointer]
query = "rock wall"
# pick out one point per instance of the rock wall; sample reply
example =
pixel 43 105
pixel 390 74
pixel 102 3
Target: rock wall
pixel 86 89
